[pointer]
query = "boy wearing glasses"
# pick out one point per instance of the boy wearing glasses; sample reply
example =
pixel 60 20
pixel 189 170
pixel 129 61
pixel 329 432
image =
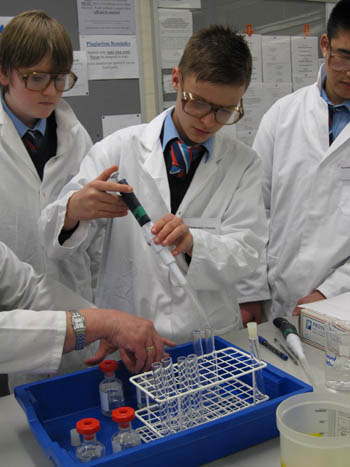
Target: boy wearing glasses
pixel 41 140
pixel 304 144
pixel 200 187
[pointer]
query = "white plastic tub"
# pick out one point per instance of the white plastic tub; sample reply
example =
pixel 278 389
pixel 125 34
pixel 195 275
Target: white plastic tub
pixel 314 430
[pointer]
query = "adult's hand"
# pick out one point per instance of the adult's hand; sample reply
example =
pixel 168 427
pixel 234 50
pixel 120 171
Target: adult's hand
pixel 315 296
pixel 136 338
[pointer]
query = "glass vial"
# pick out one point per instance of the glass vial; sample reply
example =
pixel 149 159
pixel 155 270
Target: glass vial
pixel 126 437
pixel 90 448
pixel 111 389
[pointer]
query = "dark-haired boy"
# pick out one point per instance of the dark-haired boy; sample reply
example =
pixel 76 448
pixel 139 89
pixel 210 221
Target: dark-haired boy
pixel 304 145
pixel 206 201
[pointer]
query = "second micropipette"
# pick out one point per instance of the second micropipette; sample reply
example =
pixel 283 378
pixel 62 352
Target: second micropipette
pixel 290 333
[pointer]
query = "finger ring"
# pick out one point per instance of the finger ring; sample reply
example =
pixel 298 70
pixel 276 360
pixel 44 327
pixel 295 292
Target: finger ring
pixel 149 348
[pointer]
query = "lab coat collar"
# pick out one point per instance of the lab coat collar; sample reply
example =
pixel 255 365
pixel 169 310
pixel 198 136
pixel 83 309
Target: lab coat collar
pixel 152 161
pixel 150 139
pixel 321 76
pixel 11 138
pixel 65 119
pixel 170 132
pixel 20 126
pixel 343 137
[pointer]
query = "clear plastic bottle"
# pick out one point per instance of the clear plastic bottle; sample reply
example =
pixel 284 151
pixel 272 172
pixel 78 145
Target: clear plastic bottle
pixel 111 389
pixel 126 437
pixel 90 448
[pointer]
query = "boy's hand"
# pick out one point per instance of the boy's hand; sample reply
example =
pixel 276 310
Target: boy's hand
pixel 94 202
pixel 171 231
pixel 251 311
pixel 314 296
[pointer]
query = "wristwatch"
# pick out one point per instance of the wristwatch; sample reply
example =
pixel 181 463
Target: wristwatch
pixel 78 323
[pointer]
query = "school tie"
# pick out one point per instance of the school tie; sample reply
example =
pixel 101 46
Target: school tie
pixel 182 156
pixel 32 140
pixel 331 111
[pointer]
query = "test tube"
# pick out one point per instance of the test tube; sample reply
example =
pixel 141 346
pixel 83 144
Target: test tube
pixel 184 401
pixel 157 370
pixel 197 342
pixel 194 384
pixel 170 391
pixel 211 359
pixel 209 340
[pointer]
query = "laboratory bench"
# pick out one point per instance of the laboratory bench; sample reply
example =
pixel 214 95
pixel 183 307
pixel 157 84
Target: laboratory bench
pixel 20 448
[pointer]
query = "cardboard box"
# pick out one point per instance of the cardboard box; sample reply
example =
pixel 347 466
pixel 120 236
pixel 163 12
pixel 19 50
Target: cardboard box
pixel 314 316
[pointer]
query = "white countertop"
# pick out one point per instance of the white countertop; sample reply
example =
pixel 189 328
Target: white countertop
pixel 19 447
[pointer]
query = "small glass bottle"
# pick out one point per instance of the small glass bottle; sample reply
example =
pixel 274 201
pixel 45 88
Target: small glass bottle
pixel 111 389
pixel 126 437
pixel 90 448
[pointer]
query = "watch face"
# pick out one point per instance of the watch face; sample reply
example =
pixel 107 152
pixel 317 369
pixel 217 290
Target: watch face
pixel 78 321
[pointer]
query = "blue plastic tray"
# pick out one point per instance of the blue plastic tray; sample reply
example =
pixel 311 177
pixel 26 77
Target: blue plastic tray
pixel 54 406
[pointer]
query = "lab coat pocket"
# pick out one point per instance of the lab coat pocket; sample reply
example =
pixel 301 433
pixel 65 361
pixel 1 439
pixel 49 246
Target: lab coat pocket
pixel 208 224
pixel 344 198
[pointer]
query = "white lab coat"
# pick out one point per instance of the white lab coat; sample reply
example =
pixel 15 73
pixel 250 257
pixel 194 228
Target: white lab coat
pixel 223 205
pixel 32 341
pixel 23 195
pixel 306 189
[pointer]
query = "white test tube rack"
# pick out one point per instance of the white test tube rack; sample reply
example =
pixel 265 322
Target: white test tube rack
pixel 222 392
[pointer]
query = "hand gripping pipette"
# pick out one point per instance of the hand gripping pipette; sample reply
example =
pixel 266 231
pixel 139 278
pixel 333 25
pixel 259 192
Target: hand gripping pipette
pixel 293 341
pixel 146 225
pixel 164 253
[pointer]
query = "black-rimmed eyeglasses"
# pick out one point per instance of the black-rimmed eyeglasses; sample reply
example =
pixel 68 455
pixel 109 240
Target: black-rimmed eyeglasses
pixel 39 81
pixel 200 108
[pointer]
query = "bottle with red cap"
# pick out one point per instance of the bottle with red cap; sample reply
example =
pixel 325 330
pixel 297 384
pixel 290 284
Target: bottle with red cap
pixel 90 448
pixel 111 389
pixel 126 437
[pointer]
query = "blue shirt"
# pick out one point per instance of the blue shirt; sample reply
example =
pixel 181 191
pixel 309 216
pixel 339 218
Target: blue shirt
pixel 20 126
pixel 341 116
pixel 170 132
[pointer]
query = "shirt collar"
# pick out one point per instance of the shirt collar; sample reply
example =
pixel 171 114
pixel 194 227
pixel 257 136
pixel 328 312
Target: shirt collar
pixel 20 126
pixel 170 132
pixel 324 96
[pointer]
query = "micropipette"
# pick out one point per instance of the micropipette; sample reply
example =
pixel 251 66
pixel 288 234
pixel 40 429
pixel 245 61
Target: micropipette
pixel 293 341
pixel 146 225
pixel 164 253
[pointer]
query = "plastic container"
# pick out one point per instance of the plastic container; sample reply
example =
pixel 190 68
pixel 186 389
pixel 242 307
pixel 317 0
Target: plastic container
pixel 53 407
pixel 126 437
pixel 314 430
pixel 90 449
pixel 111 388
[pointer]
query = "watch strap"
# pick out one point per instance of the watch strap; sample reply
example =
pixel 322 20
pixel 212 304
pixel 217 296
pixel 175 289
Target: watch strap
pixel 78 323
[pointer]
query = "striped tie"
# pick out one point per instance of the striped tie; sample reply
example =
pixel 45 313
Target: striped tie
pixel 182 156
pixel 32 140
